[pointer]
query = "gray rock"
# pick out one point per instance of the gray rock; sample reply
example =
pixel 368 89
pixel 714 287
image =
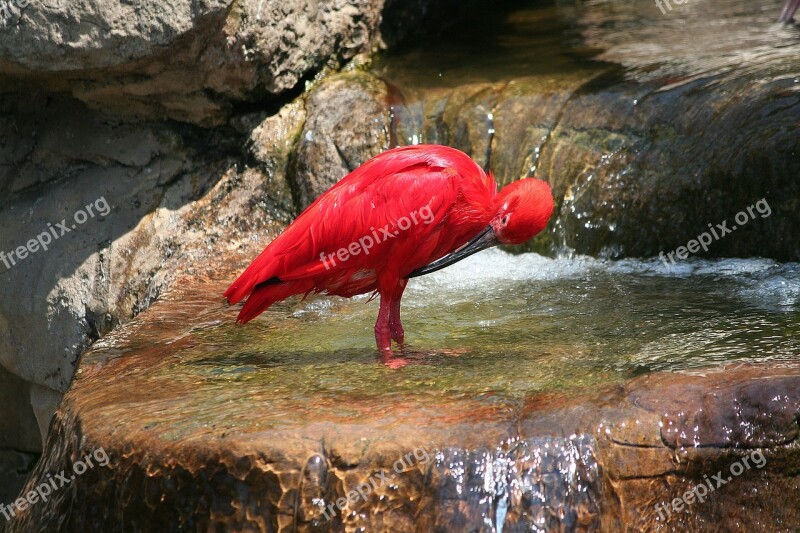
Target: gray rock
pixel 109 186
pixel 163 198
pixel 190 61
pixel 271 145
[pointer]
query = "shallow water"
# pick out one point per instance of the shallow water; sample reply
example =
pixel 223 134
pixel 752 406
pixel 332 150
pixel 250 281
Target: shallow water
pixel 498 326
pixel 561 41
pixel 534 40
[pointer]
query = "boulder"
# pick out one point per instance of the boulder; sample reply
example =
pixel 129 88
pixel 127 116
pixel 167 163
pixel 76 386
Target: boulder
pixel 191 62
pixel 98 220
pixel 348 123
pixel 220 435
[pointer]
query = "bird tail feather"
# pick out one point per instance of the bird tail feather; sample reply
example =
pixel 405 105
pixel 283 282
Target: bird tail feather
pixel 266 294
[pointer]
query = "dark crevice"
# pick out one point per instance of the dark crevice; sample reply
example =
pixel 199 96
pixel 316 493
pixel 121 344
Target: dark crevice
pixel 271 104
pixel 349 166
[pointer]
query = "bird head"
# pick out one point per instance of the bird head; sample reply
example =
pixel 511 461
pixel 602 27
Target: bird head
pixel 522 209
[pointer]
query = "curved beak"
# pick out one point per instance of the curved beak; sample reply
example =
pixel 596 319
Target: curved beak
pixel 485 239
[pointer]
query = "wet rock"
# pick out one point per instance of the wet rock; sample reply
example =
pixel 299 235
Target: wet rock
pixel 642 158
pixel 271 146
pixel 637 177
pixel 734 411
pixel 523 118
pixel 348 123
pixel 470 115
pixel 544 483
pixel 214 440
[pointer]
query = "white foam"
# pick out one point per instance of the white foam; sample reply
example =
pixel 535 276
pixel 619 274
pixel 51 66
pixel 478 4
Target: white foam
pixel 763 282
pixel 778 290
pixel 497 265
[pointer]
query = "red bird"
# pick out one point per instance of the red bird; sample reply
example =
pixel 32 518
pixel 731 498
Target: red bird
pixel 406 212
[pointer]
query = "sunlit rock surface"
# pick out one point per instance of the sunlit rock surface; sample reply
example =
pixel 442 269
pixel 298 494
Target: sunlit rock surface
pixel 189 61
pixel 348 123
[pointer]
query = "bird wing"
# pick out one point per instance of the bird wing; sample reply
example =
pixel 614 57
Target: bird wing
pixel 417 184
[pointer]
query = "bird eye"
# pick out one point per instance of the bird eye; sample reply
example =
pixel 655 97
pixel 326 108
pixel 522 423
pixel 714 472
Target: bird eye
pixel 505 220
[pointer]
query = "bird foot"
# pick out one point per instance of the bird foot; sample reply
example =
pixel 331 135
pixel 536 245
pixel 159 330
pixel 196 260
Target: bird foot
pixel 407 357
pixel 394 362
pixel 389 358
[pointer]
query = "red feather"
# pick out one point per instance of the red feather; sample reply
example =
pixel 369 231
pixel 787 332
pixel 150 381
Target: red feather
pixel 399 185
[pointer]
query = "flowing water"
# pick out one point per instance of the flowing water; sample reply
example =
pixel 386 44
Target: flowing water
pixel 505 324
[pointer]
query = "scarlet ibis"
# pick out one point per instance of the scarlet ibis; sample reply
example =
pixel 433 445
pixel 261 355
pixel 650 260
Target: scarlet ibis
pixel 404 213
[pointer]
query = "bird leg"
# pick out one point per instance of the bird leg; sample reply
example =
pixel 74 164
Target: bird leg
pixel 395 326
pixel 788 10
pixel 382 332
pixel 388 326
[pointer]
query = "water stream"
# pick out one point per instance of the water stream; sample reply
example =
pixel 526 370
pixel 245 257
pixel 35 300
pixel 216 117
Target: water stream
pixel 503 324
pixel 302 384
